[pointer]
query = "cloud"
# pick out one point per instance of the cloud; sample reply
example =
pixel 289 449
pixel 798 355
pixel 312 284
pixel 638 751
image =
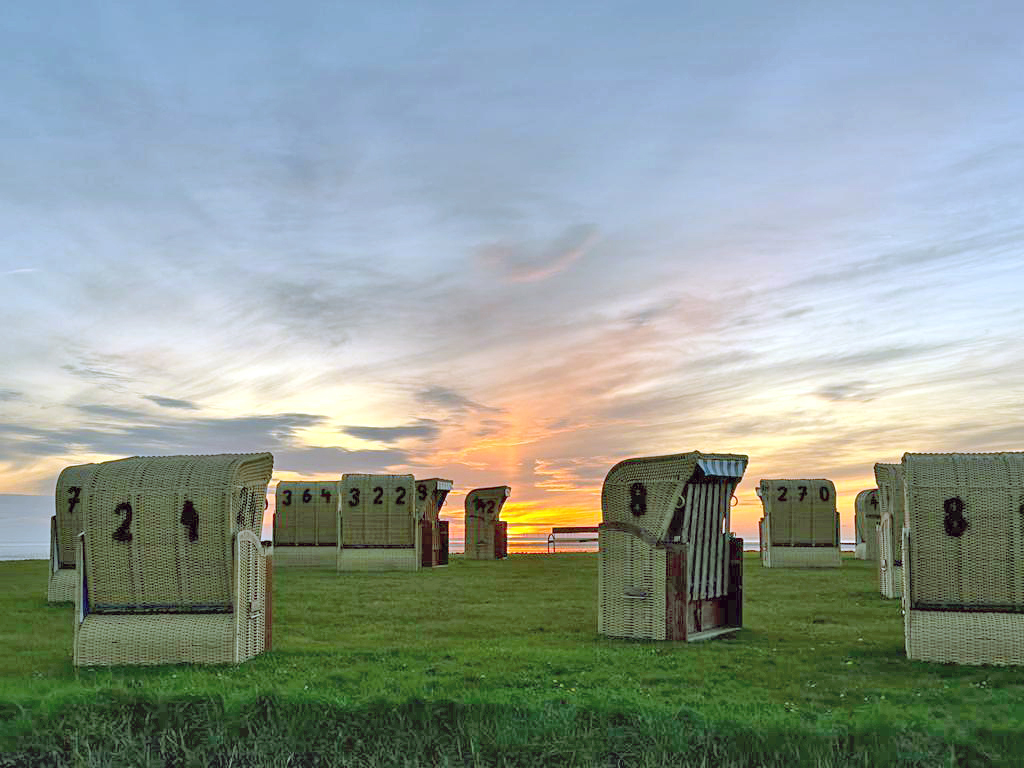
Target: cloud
pixel 452 400
pixel 170 402
pixel 858 391
pixel 532 262
pixel 337 461
pixel 10 394
pixel 424 428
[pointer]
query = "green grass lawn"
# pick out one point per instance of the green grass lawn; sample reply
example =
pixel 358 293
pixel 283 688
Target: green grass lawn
pixel 500 663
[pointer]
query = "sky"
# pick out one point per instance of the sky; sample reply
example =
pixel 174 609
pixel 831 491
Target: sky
pixel 509 244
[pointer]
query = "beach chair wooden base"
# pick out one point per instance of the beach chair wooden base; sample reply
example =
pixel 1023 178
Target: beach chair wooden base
pixel 777 556
pixel 952 637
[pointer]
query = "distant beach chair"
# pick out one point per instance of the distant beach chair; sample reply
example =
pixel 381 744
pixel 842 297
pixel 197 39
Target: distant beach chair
pixel 668 567
pixel 171 569
pixel 306 524
pixel 801 525
pixel 866 517
pixel 486 535
pixel 65 526
pixel 890 501
pixel 430 497
pixel 962 545
pixel 379 524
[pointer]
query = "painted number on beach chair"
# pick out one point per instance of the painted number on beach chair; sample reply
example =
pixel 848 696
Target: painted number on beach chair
pixel 803 491
pixel 954 520
pixel 190 519
pixel 783 490
pixel 421 492
pixel 638 499
pixel 823 493
pixel 325 494
pixel 74 492
pixel 287 498
pixel 399 495
pixel 123 533
pixel 484 505
pixel 307 496
pixel 353 497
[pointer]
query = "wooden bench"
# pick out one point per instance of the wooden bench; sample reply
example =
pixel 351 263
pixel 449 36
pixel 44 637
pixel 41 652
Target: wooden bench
pixel 568 529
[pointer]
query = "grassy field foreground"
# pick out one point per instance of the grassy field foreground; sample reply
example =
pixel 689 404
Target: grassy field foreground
pixel 500 663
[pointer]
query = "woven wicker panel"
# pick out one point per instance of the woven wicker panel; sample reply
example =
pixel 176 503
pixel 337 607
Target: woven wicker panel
pixel 965 513
pixel 378 511
pixel 379 559
pixel 431 494
pixel 631 587
pixel 804 557
pixel 643 491
pixel 890 502
pixel 68 498
pixel 160 530
pixel 60 587
pixel 966 638
pixel 156 639
pixel 890 566
pixel 800 512
pixel 250 591
pixel 306 513
pixel 483 506
pixel 305 557
pixel 867 514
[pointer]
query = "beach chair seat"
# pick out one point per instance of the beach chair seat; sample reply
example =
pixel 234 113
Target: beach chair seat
pixel 306 524
pixel 866 518
pixel 380 528
pixel 483 529
pixel 801 524
pixel 65 526
pixel 890 525
pixel 430 497
pixel 171 569
pixel 668 566
pixel 962 551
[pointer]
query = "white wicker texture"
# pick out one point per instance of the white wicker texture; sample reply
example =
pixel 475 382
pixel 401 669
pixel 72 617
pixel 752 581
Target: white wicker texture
pixel 379 523
pixel 306 513
pixel 682 498
pixel 801 524
pixel 963 550
pixel 430 497
pixel 66 525
pixel 169 558
pixel 890 504
pixel 866 517
pixel 483 506
pixel 305 557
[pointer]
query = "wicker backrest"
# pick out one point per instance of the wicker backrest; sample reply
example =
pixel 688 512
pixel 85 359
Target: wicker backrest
pixel 643 492
pixel 306 513
pixel 430 497
pixel 866 515
pixel 159 531
pixel 890 494
pixel 68 513
pixel 483 506
pixel 800 513
pixel 378 511
pixel 965 513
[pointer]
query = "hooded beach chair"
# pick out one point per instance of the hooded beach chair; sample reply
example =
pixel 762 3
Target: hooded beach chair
pixel 430 497
pixel 380 528
pixel 306 524
pixel 963 557
pixel 486 535
pixel 65 526
pixel 801 525
pixel 668 567
pixel 890 501
pixel 866 517
pixel 171 569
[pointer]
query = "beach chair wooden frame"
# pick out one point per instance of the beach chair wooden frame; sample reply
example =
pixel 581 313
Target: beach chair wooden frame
pixel 668 566
pixel 170 568
pixel 431 494
pixel 890 525
pixel 867 515
pixel 306 524
pixel 801 524
pixel 483 531
pixel 65 526
pixel 379 524
pixel 962 549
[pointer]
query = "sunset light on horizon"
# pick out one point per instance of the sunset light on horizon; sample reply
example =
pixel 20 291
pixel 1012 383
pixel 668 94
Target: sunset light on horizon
pixel 507 247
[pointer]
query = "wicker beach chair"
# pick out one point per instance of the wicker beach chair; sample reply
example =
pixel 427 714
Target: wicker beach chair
pixel 65 526
pixel 379 524
pixel 483 530
pixel 668 567
pixel 430 497
pixel 306 524
pixel 866 517
pixel 801 525
pixel 890 524
pixel 170 566
pixel 962 553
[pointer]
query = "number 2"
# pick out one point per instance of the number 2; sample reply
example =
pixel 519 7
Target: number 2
pixel 400 494
pixel 123 532
pixel 782 492
pixel 378 495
